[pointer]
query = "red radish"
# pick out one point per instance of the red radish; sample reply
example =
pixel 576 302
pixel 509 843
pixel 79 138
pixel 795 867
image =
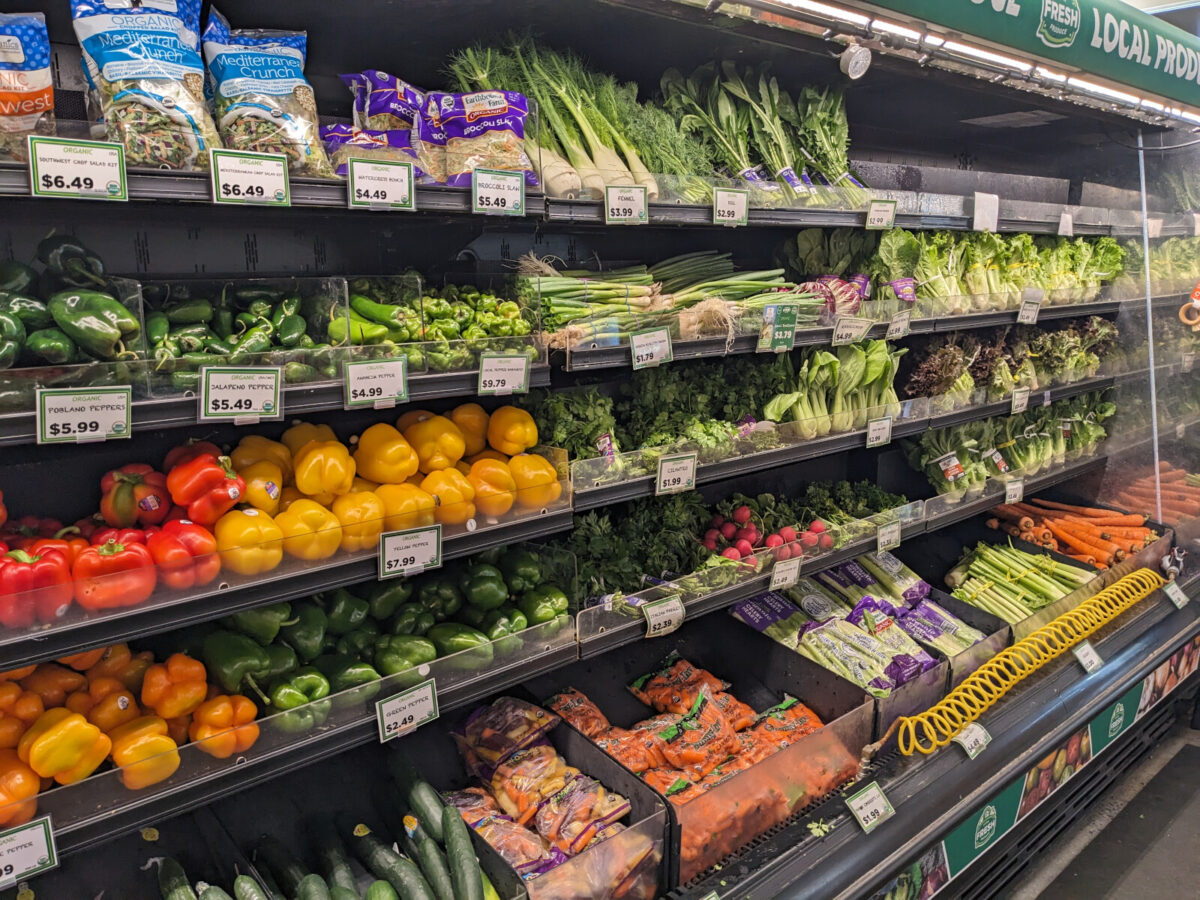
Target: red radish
pixel 788 533
pixel 728 530
pixel 742 515
pixel 711 545
pixel 774 540
pixel 744 547
pixel 826 541
pixel 783 552
pixel 717 521
pixel 808 539
pixel 713 534
pixel 750 560
pixel 817 527
pixel 746 534
pixel 731 553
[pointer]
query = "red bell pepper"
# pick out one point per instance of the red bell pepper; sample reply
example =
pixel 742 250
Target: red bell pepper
pixel 189 451
pixel 3 510
pixel 20 533
pixel 114 575
pixel 207 486
pixel 118 535
pixel 186 554
pixel 34 588
pixel 68 542
pixel 134 495
pixel 89 525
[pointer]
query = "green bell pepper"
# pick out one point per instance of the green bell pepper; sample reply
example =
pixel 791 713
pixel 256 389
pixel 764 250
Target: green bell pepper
pixel 306 635
pixel 440 596
pixel 12 338
pixel 262 623
pixel 300 698
pixel 32 313
pixel 96 322
pixel 501 625
pixel 395 653
pixel 344 612
pixel 411 618
pixel 345 672
pixel 522 570
pixel 388 596
pixel 471 615
pixel 543 604
pixel 303 718
pixel 233 659
pixel 18 278
pixel 483 586
pixel 453 637
pixel 283 660
pixel 360 642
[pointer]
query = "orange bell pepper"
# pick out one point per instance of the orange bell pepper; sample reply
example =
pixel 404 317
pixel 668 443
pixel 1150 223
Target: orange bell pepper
pixel 511 430
pixel 405 506
pixel 472 421
pixel 64 746
pixel 495 488
pixel 412 417
pixel 81 662
pixel 112 704
pixel 453 494
pixel 18 710
pixel 177 729
pixel 52 683
pixel 176 687
pixel 119 662
pixel 19 786
pixel 537 481
pixel 224 725
pixel 16 674
pixel 438 442
pixel 145 752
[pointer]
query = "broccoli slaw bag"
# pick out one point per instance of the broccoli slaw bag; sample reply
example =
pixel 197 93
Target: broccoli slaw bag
pixel 383 102
pixel 484 130
pixel 144 62
pixel 262 101
pixel 26 92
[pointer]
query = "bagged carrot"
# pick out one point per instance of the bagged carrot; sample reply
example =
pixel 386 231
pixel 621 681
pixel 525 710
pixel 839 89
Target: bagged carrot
pixel 674 686
pixel 491 734
pixel 528 777
pixel 581 712
pixel 701 740
pixel 571 818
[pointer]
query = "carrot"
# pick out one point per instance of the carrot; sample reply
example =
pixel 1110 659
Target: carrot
pixel 1093 538
pixel 1130 533
pixel 1129 520
pixel 1079 545
pixel 1090 560
pixel 992 523
pixel 1067 507
pixel 1012 514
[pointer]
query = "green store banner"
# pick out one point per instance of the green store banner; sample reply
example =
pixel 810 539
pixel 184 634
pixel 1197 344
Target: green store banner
pixel 990 823
pixel 1103 37
pixel 1116 719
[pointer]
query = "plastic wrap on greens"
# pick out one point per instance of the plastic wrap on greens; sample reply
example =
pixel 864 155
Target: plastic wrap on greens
pixel 263 102
pixel 345 142
pixel 145 64
pixel 26 92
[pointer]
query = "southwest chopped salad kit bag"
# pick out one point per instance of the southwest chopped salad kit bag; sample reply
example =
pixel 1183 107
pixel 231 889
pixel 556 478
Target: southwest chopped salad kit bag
pixel 26 94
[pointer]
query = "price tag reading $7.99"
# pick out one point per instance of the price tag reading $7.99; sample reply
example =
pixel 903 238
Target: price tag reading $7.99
pixel 870 807
pixel 409 552
pixel 406 711
pixel 973 739
pixel 664 616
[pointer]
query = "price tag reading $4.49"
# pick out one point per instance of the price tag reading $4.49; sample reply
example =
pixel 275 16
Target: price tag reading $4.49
pixel 973 739
pixel 410 552
pixel 664 616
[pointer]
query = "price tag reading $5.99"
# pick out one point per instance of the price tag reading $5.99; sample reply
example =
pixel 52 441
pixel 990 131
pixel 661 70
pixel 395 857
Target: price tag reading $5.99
pixel 406 711
pixel 410 552
pixel 81 415
pixel 664 616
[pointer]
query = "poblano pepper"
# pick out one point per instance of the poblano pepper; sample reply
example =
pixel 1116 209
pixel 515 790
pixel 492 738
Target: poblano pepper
pixel 261 623
pixel 344 612
pixel 12 339
pixel 51 345
pixel 96 322
pixel 32 313
pixel 70 262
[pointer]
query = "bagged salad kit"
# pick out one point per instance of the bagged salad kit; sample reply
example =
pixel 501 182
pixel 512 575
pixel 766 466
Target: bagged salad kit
pixel 26 93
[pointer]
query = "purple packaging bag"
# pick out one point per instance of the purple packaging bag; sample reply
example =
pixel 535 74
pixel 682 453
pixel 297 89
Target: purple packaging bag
pixel 383 102
pixel 485 130
pixel 345 141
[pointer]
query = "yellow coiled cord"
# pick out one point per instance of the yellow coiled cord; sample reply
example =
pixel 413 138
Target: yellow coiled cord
pixel 938 725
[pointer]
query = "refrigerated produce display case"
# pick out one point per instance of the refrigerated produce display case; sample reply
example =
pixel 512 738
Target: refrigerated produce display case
pixel 765 467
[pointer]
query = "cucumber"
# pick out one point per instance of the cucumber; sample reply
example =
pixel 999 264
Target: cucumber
pixel 381 890
pixel 404 773
pixel 287 870
pixel 173 882
pixel 312 887
pixel 464 867
pixel 428 855
pixel 246 888
pixel 384 862
pixel 489 892
pixel 341 893
pixel 427 806
pixel 210 892
pixel 333 861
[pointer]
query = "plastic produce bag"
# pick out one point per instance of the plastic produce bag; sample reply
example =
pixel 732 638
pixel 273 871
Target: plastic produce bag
pixel 579 711
pixel 571 818
pixel 345 141
pixel 484 130
pixel 675 685
pixel 26 92
pixel 383 102
pixel 626 747
pixel 491 734
pixel 786 722
pixel 520 847
pixel 701 740
pixel 527 778
pixel 474 803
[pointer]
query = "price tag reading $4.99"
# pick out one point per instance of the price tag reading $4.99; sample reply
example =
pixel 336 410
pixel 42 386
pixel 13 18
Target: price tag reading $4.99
pixel 973 739
pixel 378 383
pixel 870 807
pixel 664 616
pixel 676 473
pixel 407 710
pixel 650 348
pixel 502 373
pixel 850 329
pixel 78 415
pixel 409 552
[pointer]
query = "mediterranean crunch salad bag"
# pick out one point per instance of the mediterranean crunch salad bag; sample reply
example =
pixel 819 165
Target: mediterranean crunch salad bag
pixel 143 57
pixel 26 93
pixel 262 101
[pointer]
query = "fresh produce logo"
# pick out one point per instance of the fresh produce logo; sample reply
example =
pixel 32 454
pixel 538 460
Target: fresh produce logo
pixel 1059 23
pixel 985 828
pixel 1117 721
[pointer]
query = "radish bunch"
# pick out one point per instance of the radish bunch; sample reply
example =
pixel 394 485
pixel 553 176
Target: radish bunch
pixel 739 538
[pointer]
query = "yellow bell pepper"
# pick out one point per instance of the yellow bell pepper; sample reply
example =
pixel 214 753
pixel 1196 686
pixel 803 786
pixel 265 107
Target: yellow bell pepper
pixel 361 514
pixel 324 467
pixel 412 417
pixel 537 481
pixel 495 488
pixel 438 442
pixel 415 479
pixel 310 531
pixel 302 432
pixel 290 495
pixel 487 454
pixel 472 421
pixel 264 485
pixel 512 431
pixel 384 456
pixel 144 751
pixel 361 484
pixel 255 448
pixel 249 541
pixel 405 506
pixel 63 745
pixel 453 495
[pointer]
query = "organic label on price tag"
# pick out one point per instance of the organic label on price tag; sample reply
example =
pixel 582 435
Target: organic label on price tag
pixel 1020 400
pixel 1066 225
pixel 1175 594
pixel 26 850
pixel 380 184
pixel 664 616
pixel 497 193
pixel 651 347
pixel 80 170
pixel 850 330
pixel 973 739
pixel 870 807
pixel 379 383
pixel 879 432
pixel 785 574
pixel 676 473
pixel 1028 313
pixel 260 179
pixel 778 331
pixel 881 215
pixel 1014 490
pixel 625 205
pixel 987 212
pixel 242 394
pixel 1087 656
pixel 410 552
pixel 900 325
pixel 887 536
pixel 406 711
pixel 74 415
pixel 730 206
pixel 502 373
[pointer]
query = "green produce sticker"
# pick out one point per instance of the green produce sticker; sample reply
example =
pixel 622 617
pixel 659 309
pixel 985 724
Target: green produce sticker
pixel 79 170
pixel 778 333
pixel 27 850
pixel 407 710
pixel 497 193
pixel 244 394
pixel 410 552
pixel 377 383
pixel 75 415
pixel 380 184
pixel 257 179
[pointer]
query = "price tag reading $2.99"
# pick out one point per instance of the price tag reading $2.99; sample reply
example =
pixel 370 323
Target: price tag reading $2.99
pixel 664 616
pixel 410 552
pixel 730 206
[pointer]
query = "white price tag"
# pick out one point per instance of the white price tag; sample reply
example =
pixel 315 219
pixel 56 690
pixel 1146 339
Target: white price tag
pixel 79 170
pixel 730 206
pixel 73 415
pixel 1154 228
pixel 502 373
pixel 242 178
pixel 380 184
pixel 378 383
pixel 1066 225
pixel 1175 594
pixel 664 616
pixel 27 850
pixel 850 330
pixel 410 552
pixel 881 215
pixel 987 212
pixel 973 739
pixel 242 394
pixel 870 807
pixel 1028 313
pixel 1020 400
pixel 625 205
pixel 887 536
pixel 1187 360
pixel 1195 224
pixel 1087 656
pixel 497 193
pixel 406 711
pixel 676 473
pixel 1014 490
pixel 1046 398
pixel 900 325
pixel 651 347
pixel 785 573
pixel 879 432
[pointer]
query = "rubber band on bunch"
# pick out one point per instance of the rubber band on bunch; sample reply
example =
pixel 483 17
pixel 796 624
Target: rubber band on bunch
pixel 941 723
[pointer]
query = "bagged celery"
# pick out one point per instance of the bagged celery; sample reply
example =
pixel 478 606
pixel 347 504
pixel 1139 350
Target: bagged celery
pixel 143 58
pixel 773 615
pixel 383 102
pixel 845 650
pixel 26 92
pixel 908 659
pixel 818 603
pixel 894 576
pixel 262 101
pixel 935 627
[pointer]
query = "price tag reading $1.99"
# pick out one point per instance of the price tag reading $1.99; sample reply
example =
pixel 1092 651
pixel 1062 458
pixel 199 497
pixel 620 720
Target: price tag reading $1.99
pixel 410 552
pixel 675 473
pixel 664 616
pixel 407 710
pixel 1175 594
pixel 870 807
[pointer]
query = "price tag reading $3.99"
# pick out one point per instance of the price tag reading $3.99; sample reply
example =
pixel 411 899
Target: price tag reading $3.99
pixel 664 616
pixel 410 552
pixel 406 711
